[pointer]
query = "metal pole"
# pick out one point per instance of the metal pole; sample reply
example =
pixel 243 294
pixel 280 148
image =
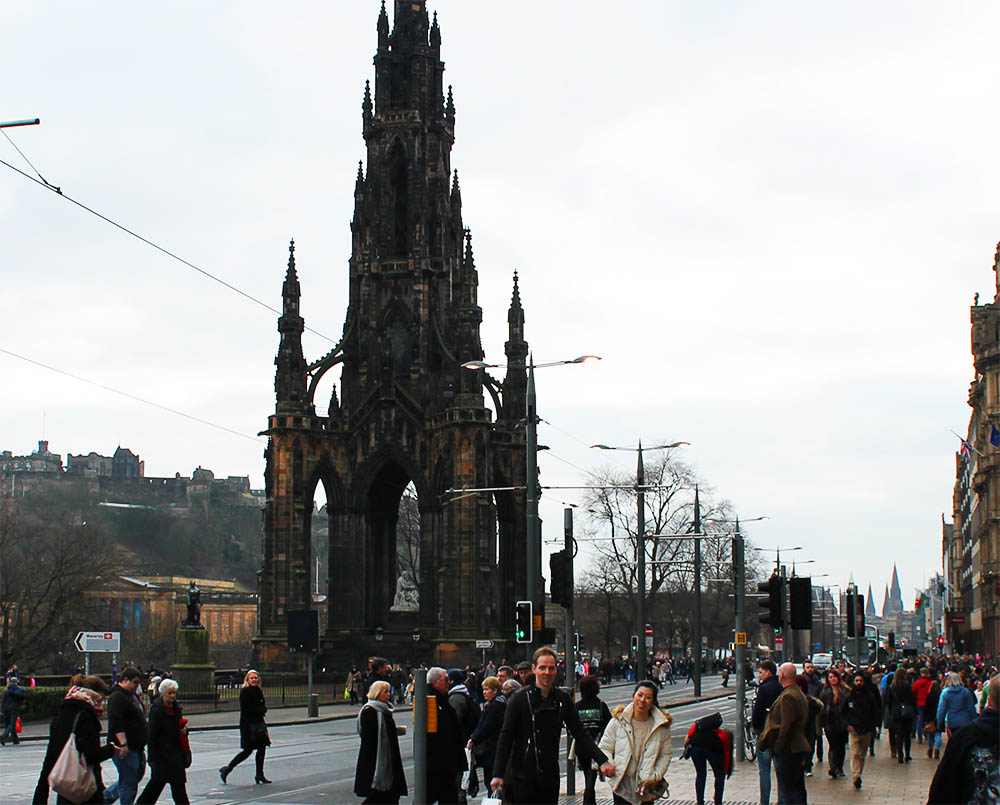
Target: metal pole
pixel 697 595
pixel 570 651
pixel 786 631
pixel 86 663
pixel 568 609
pixel 640 550
pixel 533 542
pixel 420 737
pixel 739 562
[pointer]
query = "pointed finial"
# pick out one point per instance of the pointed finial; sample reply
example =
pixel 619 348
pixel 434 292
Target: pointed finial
pixel 454 182
pixel 366 104
pixel 361 172
pixel 468 244
pixel 449 107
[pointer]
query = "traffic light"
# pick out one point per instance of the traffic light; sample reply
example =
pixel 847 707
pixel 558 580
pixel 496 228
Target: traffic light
pixel 940 641
pixel 851 607
pixel 800 593
pixel 635 644
pixel 561 572
pixel 771 614
pixel 859 603
pixel 523 621
pixel 576 642
pixel 892 640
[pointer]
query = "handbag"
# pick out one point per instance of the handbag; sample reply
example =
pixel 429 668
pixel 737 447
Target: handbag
pixel 17 724
pixel 930 728
pixel 71 777
pixel 653 792
pixel 258 733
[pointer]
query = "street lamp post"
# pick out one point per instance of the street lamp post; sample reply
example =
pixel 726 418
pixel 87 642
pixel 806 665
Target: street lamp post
pixel 533 558
pixel 640 548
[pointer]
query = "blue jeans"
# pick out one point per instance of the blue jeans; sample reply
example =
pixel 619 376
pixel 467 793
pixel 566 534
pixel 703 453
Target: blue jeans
pixel 700 756
pixel 919 723
pixel 131 770
pixel 764 757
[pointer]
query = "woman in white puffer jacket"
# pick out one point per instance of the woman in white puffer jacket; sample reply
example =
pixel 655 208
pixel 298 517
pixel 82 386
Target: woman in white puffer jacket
pixel 637 742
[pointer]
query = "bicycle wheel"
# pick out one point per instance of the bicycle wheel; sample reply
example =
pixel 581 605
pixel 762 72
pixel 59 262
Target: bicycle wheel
pixel 749 742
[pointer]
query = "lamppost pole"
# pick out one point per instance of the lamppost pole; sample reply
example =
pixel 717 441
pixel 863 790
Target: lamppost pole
pixel 534 542
pixel 697 595
pixel 739 560
pixel 640 549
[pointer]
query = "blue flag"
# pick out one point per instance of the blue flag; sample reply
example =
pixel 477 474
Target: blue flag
pixel 994 435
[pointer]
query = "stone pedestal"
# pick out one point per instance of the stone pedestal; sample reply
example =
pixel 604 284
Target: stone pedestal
pixel 194 674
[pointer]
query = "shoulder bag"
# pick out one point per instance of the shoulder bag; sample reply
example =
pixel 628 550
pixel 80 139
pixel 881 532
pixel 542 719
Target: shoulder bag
pixel 71 777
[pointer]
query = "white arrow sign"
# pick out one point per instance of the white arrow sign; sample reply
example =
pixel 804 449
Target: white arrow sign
pixel 98 641
pixel 484 644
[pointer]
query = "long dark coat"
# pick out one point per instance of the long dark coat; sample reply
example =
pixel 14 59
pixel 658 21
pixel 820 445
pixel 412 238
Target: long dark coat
pixel 166 758
pixel 252 709
pixel 369 749
pixel 88 742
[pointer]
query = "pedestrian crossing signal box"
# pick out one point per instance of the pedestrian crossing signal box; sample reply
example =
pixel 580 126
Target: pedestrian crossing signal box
pixel 635 644
pixel 432 714
pixel 523 622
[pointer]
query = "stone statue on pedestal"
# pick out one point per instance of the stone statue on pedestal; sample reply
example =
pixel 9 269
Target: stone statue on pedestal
pixel 193 618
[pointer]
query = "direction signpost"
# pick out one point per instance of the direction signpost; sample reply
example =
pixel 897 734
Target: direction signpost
pixel 88 642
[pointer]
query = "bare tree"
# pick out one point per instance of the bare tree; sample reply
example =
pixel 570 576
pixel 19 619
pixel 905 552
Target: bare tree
pixel 669 517
pixel 46 566
pixel 408 533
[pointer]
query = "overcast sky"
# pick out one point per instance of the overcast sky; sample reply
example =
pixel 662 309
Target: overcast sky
pixel 769 219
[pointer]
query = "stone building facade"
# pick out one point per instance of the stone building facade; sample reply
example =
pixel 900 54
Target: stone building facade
pixel 972 550
pixel 406 411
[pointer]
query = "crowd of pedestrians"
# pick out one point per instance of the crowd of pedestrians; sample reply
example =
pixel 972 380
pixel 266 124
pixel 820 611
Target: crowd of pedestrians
pixel 498 730
pixel 917 700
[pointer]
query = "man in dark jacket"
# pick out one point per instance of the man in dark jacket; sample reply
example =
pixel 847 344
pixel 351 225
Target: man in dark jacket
pixel 527 761
pixel 814 687
pixel 127 729
pixel 768 690
pixel 10 707
pixel 970 767
pixel 466 710
pixel 863 714
pixel 446 747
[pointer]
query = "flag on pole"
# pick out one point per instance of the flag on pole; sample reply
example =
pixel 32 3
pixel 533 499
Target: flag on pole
pixel 994 435
pixel 967 449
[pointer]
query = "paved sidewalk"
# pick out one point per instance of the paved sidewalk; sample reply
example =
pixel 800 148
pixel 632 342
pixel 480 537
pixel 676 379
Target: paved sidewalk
pixel 885 781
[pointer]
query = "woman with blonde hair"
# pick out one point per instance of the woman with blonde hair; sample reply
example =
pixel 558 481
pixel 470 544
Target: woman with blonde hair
pixel 637 743
pixel 253 730
pixel 79 715
pixel 379 776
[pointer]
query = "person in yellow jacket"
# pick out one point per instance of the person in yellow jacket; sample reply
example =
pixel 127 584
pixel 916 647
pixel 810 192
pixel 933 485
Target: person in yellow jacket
pixel 637 742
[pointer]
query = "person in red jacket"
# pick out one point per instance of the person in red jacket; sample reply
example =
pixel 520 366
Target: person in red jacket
pixel 921 687
pixel 708 743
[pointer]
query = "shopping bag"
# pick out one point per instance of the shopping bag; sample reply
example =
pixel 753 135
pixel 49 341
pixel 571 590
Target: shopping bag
pixel 17 724
pixel 493 798
pixel 71 777
pixel 469 767
pixel 347 693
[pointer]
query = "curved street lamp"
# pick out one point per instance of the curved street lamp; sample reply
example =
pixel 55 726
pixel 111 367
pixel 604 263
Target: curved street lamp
pixel 534 542
pixel 640 552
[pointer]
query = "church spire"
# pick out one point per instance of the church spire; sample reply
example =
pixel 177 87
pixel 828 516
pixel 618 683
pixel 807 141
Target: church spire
pixel 290 377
